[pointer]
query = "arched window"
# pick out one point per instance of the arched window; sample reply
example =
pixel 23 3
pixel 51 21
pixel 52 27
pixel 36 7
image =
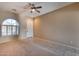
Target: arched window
pixel 10 27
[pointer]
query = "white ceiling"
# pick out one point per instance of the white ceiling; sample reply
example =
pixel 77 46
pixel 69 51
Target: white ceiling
pixel 46 7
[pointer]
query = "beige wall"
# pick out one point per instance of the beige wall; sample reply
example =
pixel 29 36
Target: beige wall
pixel 6 15
pixel 26 26
pixel 25 22
pixel 61 25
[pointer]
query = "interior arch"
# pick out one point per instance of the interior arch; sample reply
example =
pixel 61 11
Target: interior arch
pixel 10 27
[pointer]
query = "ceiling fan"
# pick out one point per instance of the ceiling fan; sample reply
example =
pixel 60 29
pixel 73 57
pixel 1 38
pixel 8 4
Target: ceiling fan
pixel 32 7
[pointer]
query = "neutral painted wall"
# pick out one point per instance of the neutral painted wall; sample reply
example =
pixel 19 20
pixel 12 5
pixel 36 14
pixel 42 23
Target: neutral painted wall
pixel 26 26
pixel 6 15
pixel 25 22
pixel 61 25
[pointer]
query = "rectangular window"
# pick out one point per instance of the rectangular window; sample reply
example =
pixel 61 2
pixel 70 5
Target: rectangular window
pixel 9 30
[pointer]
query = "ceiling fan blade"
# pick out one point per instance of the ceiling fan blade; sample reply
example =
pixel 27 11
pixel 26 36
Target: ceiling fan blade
pixel 14 10
pixel 33 5
pixel 37 10
pixel 27 6
pixel 38 7
pixel 31 11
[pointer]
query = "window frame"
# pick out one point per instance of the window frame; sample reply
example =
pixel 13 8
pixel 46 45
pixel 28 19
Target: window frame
pixel 9 28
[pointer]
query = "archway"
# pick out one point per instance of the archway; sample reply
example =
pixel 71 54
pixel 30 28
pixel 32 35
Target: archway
pixel 10 27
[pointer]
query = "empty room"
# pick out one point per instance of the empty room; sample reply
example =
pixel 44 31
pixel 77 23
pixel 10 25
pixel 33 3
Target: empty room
pixel 39 29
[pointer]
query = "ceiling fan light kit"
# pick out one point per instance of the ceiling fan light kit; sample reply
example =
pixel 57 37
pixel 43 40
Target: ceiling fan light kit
pixel 32 7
